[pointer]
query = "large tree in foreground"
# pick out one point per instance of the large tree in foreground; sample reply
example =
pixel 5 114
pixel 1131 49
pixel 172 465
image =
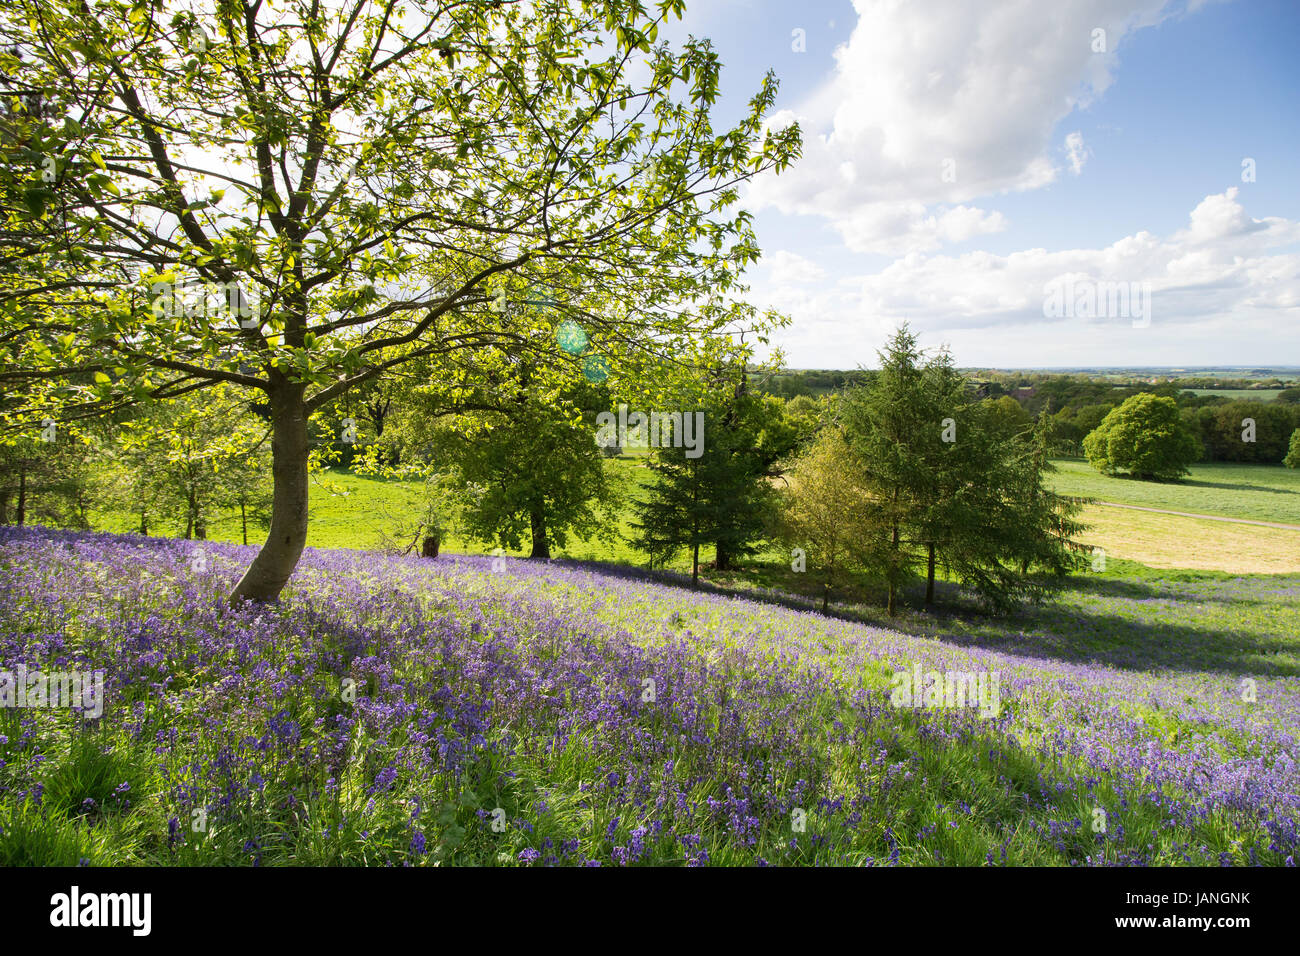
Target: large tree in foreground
pixel 299 198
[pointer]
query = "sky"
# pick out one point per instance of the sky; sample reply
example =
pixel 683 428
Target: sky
pixel 1031 183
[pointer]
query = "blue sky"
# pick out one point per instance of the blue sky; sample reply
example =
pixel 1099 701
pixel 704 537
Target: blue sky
pixel 962 158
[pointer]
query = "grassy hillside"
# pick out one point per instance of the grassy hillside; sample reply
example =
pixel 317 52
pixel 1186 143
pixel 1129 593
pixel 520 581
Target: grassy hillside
pixel 351 511
pixel 395 711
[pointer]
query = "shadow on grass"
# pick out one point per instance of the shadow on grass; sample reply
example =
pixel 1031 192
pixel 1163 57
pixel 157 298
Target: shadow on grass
pixel 1116 640
pixel 1059 629
pixel 1237 487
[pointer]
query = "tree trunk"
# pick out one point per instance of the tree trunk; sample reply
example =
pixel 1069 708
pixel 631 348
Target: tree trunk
pixel 826 597
pixel 893 573
pixel 274 564
pixel 429 547
pixel 929 577
pixel 21 512
pixel 243 519
pixel 695 565
pixel 722 560
pixel 541 543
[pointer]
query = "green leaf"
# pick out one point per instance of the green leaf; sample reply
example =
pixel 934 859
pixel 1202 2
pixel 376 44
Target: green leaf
pixel 34 200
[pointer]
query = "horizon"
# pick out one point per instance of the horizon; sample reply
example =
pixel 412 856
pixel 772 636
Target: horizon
pixel 959 164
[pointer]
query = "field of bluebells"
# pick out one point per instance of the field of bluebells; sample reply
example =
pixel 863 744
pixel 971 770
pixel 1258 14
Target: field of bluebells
pixel 394 711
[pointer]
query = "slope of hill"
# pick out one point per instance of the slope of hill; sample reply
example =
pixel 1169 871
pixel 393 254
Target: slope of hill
pixel 472 710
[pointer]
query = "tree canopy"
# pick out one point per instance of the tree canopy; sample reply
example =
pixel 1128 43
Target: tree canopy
pixel 1144 437
pixel 300 198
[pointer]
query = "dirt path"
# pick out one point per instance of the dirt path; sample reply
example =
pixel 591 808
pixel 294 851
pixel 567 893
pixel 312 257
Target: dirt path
pixel 1189 514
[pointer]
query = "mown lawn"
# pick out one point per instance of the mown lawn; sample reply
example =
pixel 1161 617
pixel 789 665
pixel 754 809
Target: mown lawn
pixel 1247 394
pixel 1256 492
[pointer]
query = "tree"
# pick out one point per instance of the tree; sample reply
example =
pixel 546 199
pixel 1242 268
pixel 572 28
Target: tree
pixel 949 481
pixel 999 520
pixel 1145 437
pixel 749 434
pixel 49 482
pixel 244 485
pixel 1008 417
pixel 532 469
pixel 191 459
pixel 134 481
pixel 822 511
pixel 678 513
pixel 1246 431
pixel 894 427
pixel 716 492
pixel 1292 459
pixel 507 445
pixel 806 415
pixel 536 473
pixel 1089 417
pixel 300 198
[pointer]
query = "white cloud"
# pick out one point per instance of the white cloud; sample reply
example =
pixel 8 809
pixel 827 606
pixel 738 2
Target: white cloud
pixel 1222 217
pixel 1076 151
pixel 884 227
pixel 790 268
pixel 939 87
pixel 1226 273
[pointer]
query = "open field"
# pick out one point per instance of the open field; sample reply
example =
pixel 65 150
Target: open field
pixel 1257 492
pixel 1248 394
pixel 1173 541
pixel 598 719
pixel 1250 492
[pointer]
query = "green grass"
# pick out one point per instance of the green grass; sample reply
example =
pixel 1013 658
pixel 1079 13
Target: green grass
pixel 1254 492
pixel 1250 394
pixel 918 796
pixel 351 511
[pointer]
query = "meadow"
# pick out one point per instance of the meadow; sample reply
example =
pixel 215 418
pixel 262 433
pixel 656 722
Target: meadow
pixel 355 511
pixel 471 711
pixel 1240 394
pixel 1252 492
pixel 1269 493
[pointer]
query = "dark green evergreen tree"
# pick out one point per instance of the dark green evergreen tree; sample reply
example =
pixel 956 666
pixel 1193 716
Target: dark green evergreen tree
pixel 949 483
